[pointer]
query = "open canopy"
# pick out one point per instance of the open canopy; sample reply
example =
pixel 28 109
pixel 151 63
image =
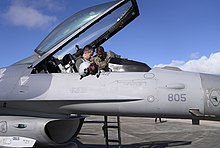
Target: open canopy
pixel 92 26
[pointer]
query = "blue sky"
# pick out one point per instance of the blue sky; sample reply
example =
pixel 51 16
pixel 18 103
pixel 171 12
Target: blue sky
pixel 183 33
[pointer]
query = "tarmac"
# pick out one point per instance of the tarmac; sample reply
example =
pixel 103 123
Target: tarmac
pixel 145 133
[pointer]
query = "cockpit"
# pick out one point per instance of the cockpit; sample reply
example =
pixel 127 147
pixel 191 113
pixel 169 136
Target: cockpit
pixel 93 26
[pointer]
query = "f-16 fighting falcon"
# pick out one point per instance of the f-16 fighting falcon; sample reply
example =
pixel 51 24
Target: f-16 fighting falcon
pixel 43 97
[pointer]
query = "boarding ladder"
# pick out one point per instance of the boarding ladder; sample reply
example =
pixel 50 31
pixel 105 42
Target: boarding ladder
pixel 109 125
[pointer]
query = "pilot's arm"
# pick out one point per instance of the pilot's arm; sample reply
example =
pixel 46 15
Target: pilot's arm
pixel 78 62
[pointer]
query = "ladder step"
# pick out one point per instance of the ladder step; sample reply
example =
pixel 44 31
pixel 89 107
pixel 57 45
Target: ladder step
pixel 112 140
pixel 112 126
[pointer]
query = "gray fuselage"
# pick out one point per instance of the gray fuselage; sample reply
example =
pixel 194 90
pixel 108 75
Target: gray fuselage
pixel 161 92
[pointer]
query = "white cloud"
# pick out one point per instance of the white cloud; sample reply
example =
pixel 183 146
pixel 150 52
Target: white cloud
pixel 195 55
pixel 27 16
pixel 204 64
pixel 174 63
pixel 51 5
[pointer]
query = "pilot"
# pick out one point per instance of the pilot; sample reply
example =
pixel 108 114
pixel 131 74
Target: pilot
pixel 84 64
pixel 87 56
pixel 102 59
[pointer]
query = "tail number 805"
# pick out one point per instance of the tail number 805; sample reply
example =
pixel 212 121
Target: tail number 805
pixel 177 97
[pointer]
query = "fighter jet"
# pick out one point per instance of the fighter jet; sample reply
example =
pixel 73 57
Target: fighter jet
pixel 43 99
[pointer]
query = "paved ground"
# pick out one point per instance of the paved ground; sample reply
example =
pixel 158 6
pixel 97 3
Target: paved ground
pixel 144 133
